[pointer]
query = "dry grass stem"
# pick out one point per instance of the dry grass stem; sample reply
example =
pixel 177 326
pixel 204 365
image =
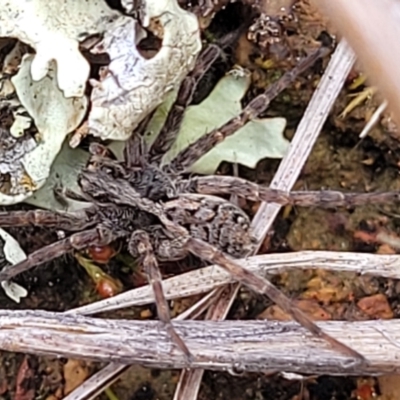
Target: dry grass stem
pixel 206 279
pixel 253 346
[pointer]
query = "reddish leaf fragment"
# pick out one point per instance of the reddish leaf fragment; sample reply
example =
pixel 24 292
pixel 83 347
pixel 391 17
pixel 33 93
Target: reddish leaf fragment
pixel 310 307
pixel 376 306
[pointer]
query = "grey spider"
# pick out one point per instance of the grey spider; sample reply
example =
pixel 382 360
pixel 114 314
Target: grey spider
pixel 164 216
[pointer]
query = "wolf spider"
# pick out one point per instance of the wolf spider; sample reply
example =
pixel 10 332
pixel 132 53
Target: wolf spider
pixel 164 216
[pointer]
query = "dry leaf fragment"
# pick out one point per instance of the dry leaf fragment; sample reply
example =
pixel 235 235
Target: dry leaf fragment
pixel 12 152
pixel 133 86
pixel 310 307
pixel 376 306
pixel 75 373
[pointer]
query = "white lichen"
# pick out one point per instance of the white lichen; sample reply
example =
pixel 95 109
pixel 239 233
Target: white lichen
pixel 13 254
pixel 28 161
pixel 54 29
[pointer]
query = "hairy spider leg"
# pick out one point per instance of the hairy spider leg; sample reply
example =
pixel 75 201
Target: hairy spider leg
pixel 77 241
pixel 140 244
pixel 259 104
pixel 174 120
pixel 135 149
pixel 214 184
pixel 64 221
pixel 121 192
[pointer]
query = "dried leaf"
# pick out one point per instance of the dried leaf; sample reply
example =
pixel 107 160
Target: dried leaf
pixel 310 307
pixel 21 123
pixel 75 373
pixel 376 306
pixel 259 139
pixel 12 171
pixel 133 85
pixel 12 254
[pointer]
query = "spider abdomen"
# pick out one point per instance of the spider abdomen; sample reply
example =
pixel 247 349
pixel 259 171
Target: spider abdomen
pixel 214 220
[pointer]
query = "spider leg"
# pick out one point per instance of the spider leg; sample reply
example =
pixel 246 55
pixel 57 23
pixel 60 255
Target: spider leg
pixel 174 120
pixel 77 241
pixel 260 285
pixel 139 244
pixel 327 198
pixel 65 221
pixel 196 150
pixel 135 150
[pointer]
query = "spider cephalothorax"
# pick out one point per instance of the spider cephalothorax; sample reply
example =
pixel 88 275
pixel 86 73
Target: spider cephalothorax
pixel 209 218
